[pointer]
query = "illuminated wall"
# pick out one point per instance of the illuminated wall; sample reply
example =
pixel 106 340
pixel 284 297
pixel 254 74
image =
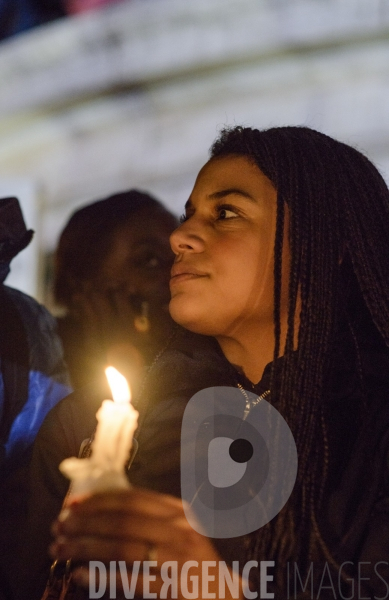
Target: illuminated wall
pixel 133 95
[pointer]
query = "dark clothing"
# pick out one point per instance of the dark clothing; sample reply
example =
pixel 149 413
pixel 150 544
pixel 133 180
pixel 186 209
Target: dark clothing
pixel 14 235
pixel 33 377
pixel 355 515
pixel 32 380
pixel 84 368
pixel 32 371
pixel 17 16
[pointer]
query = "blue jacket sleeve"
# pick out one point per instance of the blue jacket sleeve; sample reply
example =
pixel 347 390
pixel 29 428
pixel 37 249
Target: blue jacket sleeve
pixel 47 378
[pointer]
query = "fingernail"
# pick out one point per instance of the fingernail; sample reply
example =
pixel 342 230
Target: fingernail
pixel 63 515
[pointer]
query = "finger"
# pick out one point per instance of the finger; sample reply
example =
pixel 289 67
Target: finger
pixel 119 526
pixel 87 548
pixel 167 542
pixel 136 500
pixel 106 550
pixel 130 514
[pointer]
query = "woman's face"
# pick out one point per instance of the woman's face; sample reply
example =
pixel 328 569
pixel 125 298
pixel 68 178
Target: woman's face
pixel 140 258
pixel 222 280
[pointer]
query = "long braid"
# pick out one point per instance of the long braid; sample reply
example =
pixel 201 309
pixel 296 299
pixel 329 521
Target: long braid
pixel 339 213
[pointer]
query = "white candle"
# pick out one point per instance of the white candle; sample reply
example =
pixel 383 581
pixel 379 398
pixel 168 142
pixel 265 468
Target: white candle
pixel 116 423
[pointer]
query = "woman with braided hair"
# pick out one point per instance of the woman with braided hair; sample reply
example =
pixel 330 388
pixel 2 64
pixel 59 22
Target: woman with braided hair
pixel 281 283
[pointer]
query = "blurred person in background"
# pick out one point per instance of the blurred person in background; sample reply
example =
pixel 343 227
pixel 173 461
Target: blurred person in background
pixel 32 380
pixel 17 16
pixel 111 276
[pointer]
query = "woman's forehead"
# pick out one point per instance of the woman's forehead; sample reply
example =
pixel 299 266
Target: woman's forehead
pixel 232 171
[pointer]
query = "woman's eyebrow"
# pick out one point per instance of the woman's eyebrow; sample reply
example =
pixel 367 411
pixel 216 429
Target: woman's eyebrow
pixel 231 191
pixel 223 194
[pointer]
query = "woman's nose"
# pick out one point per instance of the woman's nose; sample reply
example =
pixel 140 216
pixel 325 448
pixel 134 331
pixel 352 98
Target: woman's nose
pixel 186 238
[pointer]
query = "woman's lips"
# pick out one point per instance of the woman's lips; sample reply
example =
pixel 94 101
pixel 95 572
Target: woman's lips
pixel 184 277
pixel 180 273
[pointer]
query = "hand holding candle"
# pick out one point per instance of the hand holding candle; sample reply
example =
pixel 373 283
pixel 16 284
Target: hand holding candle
pixel 111 446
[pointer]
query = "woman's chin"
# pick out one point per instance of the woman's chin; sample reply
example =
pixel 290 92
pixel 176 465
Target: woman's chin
pixel 190 318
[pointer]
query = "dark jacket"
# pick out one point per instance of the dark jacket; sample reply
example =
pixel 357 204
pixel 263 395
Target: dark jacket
pixel 355 515
pixel 33 379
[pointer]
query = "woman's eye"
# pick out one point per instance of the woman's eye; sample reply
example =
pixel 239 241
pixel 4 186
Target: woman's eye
pixel 226 213
pixel 183 218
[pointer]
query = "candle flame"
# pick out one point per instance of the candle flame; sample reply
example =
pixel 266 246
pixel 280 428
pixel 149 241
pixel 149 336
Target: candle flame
pixel 119 385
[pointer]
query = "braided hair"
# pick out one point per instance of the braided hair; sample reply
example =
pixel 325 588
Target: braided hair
pixel 339 241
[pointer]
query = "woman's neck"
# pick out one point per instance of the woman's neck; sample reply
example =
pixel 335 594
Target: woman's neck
pixel 252 350
pixel 250 356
